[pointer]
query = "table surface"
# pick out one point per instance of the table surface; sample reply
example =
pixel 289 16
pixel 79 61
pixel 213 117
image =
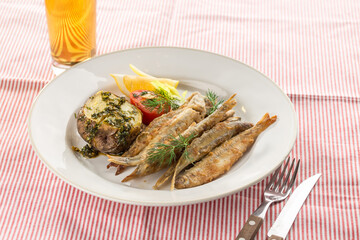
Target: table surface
pixel 309 48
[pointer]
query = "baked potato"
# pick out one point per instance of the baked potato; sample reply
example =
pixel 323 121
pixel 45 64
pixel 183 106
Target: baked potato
pixel 109 123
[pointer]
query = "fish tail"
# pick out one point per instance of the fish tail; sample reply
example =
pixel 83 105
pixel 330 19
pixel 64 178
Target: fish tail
pixel 260 126
pixel 165 177
pixel 230 101
pixel 120 169
pixel 144 169
pixel 176 171
pixel 139 171
pixel 131 176
pixel 125 161
pixel 231 97
pixel 111 164
pixel 266 121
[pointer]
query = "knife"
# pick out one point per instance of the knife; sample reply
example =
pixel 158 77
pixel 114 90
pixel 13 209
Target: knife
pixel 284 221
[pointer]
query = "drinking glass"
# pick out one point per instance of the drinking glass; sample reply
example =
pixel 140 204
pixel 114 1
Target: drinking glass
pixel 72 29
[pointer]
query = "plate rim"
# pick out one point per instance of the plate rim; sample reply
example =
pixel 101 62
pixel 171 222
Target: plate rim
pixel 173 203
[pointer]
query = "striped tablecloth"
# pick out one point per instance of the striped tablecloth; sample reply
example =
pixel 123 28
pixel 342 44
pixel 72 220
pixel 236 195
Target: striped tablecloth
pixel 310 48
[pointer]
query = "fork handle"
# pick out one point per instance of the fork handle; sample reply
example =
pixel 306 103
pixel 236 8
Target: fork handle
pixel 250 229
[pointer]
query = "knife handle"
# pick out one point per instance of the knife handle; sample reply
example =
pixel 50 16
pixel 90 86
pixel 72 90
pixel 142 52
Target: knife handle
pixel 250 229
pixel 274 237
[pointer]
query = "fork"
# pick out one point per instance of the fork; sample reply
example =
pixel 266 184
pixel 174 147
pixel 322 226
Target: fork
pixel 276 190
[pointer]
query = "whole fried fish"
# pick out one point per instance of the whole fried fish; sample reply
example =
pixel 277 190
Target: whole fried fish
pixel 177 125
pixel 144 167
pixel 220 114
pixel 203 145
pixel 194 111
pixel 145 137
pixel 223 157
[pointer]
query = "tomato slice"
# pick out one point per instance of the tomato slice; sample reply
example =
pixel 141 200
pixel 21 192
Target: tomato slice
pixel 139 98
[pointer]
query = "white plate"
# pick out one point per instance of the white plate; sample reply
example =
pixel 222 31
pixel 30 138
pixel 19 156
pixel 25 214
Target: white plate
pixel 52 125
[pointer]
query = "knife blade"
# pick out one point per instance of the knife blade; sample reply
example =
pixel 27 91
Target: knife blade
pixel 287 216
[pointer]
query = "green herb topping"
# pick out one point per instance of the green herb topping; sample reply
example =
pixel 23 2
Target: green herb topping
pixel 215 101
pixel 162 101
pixel 166 153
pixel 87 151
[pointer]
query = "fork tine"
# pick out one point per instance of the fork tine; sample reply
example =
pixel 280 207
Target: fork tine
pixel 287 177
pixel 288 187
pixel 282 174
pixel 294 176
pixel 273 178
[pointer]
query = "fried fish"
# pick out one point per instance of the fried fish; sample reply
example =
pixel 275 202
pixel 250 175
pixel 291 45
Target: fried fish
pixel 194 111
pixel 177 125
pixel 146 135
pixel 203 145
pixel 219 161
pixel 145 167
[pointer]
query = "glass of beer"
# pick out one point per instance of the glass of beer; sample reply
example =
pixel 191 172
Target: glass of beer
pixel 72 28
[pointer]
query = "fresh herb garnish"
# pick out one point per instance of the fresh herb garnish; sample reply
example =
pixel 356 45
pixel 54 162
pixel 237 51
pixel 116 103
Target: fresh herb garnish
pixel 162 101
pixel 158 103
pixel 87 151
pixel 214 100
pixel 166 153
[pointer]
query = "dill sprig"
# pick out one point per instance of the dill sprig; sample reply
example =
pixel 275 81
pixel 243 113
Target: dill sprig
pixel 163 101
pixel 214 99
pixel 158 103
pixel 166 153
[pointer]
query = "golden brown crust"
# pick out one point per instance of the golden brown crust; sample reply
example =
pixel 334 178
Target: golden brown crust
pixel 173 128
pixel 202 145
pixel 221 159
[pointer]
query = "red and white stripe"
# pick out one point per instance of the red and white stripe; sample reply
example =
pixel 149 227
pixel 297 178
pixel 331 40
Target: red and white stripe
pixel 310 48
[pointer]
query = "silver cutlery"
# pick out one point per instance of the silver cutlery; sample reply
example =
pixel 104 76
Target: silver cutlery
pixel 276 190
pixel 287 216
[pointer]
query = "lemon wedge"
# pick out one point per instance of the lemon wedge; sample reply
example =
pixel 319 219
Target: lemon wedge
pixel 130 83
pixel 139 72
